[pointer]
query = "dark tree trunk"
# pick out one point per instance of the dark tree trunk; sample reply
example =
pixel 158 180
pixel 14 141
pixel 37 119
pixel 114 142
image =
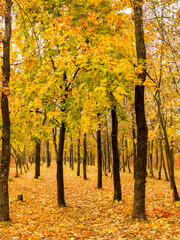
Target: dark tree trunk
pixel 134 147
pixel 161 161
pixel 37 158
pixel 104 157
pixel 71 155
pixel 84 158
pixel 148 155
pixel 99 155
pixel 60 178
pixel 122 153
pixel 79 158
pixel 127 158
pixel 6 149
pixel 116 173
pixel 108 150
pixel 91 157
pixel 141 161
pixel 65 155
pixel 54 141
pixel 48 154
pixel 157 155
pixel 151 158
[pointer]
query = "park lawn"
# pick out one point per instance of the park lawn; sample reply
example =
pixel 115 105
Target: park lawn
pixel 90 213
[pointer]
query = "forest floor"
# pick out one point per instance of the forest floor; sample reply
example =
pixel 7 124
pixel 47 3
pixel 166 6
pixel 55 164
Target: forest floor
pixel 90 213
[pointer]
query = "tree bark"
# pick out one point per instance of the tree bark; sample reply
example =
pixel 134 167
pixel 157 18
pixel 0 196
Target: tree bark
pixel 60 178
pixel 48 154
pixel 127 157
pixel 157 155
pixel 6 149
pixel 151 158
pixel 99 154
pixel 84 158
pixel 108 150
pixel 79 158
pixel 54 141
pixel 122 153
pixel 37 158
pixel 141 161
pixel 116 172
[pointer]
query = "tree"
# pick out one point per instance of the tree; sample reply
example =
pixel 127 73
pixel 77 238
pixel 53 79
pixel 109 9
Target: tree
pixel 6 149
pixel 84 157
pixel 116 174
pixel 99 155
pixel 140 163
pixel 60 178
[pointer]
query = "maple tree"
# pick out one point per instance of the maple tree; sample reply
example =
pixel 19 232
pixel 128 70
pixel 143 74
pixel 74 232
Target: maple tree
pixel 5 156
pixel 140 163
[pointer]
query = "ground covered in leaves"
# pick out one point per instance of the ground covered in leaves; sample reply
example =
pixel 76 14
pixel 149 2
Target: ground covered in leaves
pixel 90 213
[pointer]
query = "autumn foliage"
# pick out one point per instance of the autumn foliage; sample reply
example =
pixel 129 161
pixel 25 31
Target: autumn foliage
pixel 93 83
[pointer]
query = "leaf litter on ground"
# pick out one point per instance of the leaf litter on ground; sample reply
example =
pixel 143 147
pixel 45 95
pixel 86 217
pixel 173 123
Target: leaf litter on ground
pixel 90 213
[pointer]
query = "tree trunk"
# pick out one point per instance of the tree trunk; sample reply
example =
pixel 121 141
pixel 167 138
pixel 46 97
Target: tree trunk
pixel 116 173
pixel 6 149
pixel 54 132
pixel 79 158
pixel 99 155
pixel 60 178
pixel 161 161
pixel 38 158
pixel 127 158
pixel 71 155
pixel 134 144
pixel 122 153
pixel 157 155
pixel 108 150
pixel 104 157
pixel 48 154
pixel 169 156
pixel 141 161
pixel 151 158
pixel 84 158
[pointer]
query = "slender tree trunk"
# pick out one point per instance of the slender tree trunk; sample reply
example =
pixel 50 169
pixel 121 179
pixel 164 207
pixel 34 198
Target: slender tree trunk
pixel 148 155
pixel 38 158
pixel 108 150
pixel 99 155
pixel 134 145
pixel 127 158
pixel 157 97
pixel 60 178
pixel 116 172
pixel 25 159
pixel 71 155
pixel 157 155
pixel 79 158
pixel 141 161
pixel 104 157
pixel 54 141
pixel 123 159
pixel 169 156
pixel 6 149
pixel 151 158
pixel 161 161
pixel 48 154
pixel 84 158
